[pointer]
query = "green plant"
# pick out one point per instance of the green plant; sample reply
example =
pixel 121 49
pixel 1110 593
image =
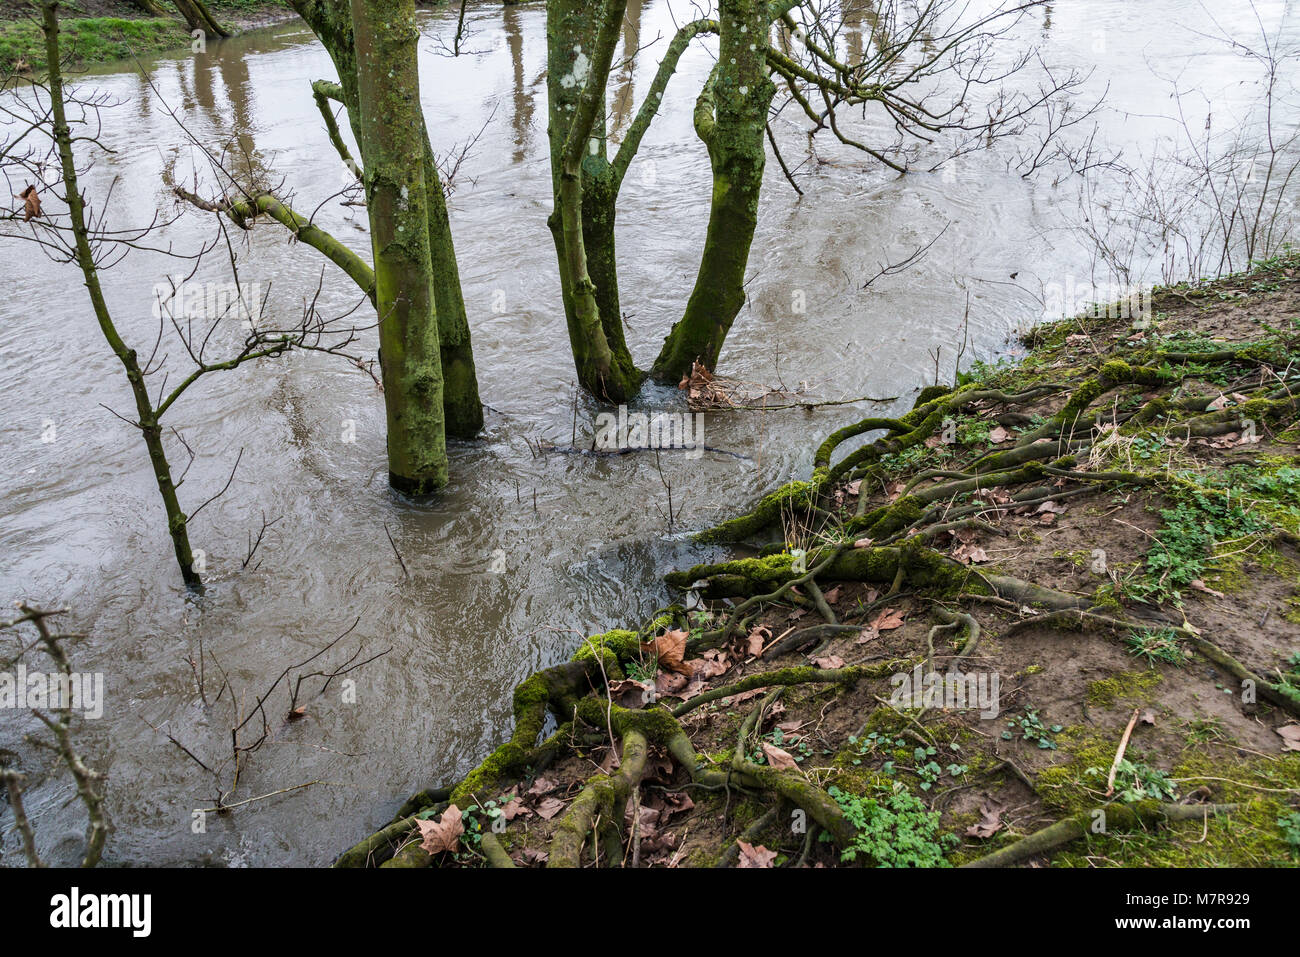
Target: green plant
pixel 1156 644
pixel 1135 781
pixel 1200 519
pixel 1032 729
pixel 1290 825
pixel 893 829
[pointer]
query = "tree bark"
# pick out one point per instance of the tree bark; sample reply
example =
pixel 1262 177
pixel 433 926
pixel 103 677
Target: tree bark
pixel 198 17
pixel 585 191
pixel 392 149
pixel 731 118
pixel 331 21
pixel 147 419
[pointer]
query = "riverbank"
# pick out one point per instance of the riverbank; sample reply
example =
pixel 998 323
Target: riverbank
pixel 102 31
pixel 1050 616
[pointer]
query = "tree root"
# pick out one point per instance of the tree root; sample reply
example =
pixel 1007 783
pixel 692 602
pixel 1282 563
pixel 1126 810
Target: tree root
pixel 1117 817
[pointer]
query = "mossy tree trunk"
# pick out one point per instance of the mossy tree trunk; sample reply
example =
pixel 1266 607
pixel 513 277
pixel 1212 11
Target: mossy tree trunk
pixel 331 21
pixel 388 92
pixel 731 118
pixel 199 17
pixel 147 417
pixel 585 191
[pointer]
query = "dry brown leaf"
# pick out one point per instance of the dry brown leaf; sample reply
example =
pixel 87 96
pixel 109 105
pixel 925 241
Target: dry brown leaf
pixel 1290 735
pixel 444 834
pixel 31 203
pixel 549 808
pixel 542 785
pixel 990 823
pixel 670 648
pixel 630 693
pixel 777 758
pixel 829 662
pixel 862 543
pixel 888 620
pixel 751 856
pixel 757 638
pixel 998 435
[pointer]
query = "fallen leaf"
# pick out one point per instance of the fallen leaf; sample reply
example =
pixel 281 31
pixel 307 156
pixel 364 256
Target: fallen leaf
pixel 829 662
pixel 630 693
pixel 998 435
pixel 777 758
pixel 1148 716
pixel 862 543
pixel 888 620
pixel 514 808
pixel 444 834
pixel 969 554
pixel 789 726
pixel 669 684
pixel 542 785
pixel 990 823
pixel 1047 518
pixel 670 648
pixel 867 634
pixel 1290 735
pixel 549 808
pixel 832 595
pixel 751 856
pixel 758 636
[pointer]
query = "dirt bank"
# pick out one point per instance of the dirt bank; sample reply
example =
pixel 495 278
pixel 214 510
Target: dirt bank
pixel 1101 541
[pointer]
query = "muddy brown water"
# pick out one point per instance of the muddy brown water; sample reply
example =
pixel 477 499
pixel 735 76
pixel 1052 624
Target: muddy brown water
pixel 81 526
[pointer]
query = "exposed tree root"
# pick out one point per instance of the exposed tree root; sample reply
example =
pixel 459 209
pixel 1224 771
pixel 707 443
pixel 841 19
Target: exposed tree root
pixel 1117 817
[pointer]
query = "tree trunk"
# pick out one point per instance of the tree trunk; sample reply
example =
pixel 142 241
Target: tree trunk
pixel 198 17
pixel 585 190
pixel 393 152
pixel 147 420
pixel 331 21
pixel 731 118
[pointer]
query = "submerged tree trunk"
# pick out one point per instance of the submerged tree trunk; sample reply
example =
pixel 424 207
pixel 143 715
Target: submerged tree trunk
pixel 731 118
pixel 585 192
pixel 331 21
pixel 392 148
pixel 147 419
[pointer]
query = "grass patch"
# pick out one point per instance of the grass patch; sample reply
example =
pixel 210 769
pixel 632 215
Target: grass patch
pixel 94 40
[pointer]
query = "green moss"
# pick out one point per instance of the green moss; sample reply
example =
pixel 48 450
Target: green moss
pixel 1105 692
pixel 623 644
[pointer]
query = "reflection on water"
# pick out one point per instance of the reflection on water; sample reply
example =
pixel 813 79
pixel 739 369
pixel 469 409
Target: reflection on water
pixel 584 539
